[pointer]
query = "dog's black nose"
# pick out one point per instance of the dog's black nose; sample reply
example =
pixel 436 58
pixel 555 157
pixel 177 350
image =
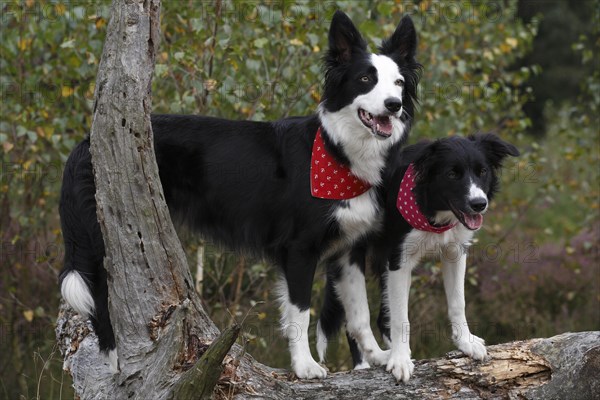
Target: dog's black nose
pixel 478 204
pixel 393 104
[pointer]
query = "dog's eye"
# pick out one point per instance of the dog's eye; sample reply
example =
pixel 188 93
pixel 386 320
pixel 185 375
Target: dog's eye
pixel 452 175
pixel 399 82
pixel 483 171
pixel 364 78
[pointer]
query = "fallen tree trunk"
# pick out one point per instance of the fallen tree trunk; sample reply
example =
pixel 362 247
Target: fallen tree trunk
pixel 560 367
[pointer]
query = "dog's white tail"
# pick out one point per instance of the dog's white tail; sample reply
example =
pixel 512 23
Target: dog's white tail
pixel 75 291
pixel 321 342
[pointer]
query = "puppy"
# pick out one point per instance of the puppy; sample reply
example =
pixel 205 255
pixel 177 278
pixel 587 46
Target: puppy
pixel 435 195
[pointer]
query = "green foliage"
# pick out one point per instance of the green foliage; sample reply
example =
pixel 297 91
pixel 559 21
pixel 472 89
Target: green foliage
pixel 240 60
pixel 261 61
pixel 561 24
pixel 468 84
pixel 49 58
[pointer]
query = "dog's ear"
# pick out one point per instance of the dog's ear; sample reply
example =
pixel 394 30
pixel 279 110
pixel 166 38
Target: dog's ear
pixel 424 160
pixel 402 45
pixel 494 148
pixel 344 38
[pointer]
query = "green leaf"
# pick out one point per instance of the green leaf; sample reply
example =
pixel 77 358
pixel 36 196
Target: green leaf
pixel 260 42
pixel 68 44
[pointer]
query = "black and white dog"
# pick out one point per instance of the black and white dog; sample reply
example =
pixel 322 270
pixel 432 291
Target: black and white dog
pixel 292 190
pixel 435 194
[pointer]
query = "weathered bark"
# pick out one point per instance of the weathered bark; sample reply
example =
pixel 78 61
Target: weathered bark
pixel 161 328
pixel 566 366
pixel 159 323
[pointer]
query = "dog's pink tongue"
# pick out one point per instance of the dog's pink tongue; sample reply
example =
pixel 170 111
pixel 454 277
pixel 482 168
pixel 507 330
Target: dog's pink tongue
pixel 473 221
pixel 383 124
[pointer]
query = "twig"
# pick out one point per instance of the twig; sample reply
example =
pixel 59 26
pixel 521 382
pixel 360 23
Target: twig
pixel 238 286
pixel 211 59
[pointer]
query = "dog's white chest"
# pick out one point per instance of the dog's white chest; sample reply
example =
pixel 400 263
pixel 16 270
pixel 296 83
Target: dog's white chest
pixel 418 245
pixel 358 216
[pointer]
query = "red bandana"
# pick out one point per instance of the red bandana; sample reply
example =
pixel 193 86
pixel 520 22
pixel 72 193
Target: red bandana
pixel 408 207
pixel 329 179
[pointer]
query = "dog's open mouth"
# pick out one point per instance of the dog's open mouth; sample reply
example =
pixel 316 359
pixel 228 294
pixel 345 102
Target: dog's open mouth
pixel 380 125
pixel 470 221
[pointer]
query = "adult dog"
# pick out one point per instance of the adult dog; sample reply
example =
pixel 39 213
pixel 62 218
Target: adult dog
pixel 292 190
pixel 435 195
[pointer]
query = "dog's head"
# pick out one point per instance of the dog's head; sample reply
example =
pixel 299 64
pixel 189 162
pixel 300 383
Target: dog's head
pixel 370 95
pixel 457 177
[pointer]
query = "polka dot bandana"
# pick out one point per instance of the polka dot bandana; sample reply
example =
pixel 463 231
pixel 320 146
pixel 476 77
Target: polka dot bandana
pixel 329 179
pixel 408 207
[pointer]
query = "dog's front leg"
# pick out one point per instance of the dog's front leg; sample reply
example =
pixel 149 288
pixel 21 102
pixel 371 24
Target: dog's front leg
pixel 295 294
pixel 454 283
pixel 398 286
pixel 352 292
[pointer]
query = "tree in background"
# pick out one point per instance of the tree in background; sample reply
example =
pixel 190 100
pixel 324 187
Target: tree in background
pixel 560 70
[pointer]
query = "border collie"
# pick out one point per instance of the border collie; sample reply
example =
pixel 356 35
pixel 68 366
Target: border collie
pixel 435 194
pixel 292 190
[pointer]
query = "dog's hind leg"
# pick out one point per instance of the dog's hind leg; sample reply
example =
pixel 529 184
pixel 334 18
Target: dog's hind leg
pixel 358 359
pixel 383 319
pixel 352 292
pixel 332 313
pixel 333 317
pixel 295 294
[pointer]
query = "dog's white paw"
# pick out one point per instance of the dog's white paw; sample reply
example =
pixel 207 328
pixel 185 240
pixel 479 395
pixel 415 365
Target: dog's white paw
pixel 307 368
pixel 362 365
pixel 378 357
pixel 401 367
pixel 473 346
